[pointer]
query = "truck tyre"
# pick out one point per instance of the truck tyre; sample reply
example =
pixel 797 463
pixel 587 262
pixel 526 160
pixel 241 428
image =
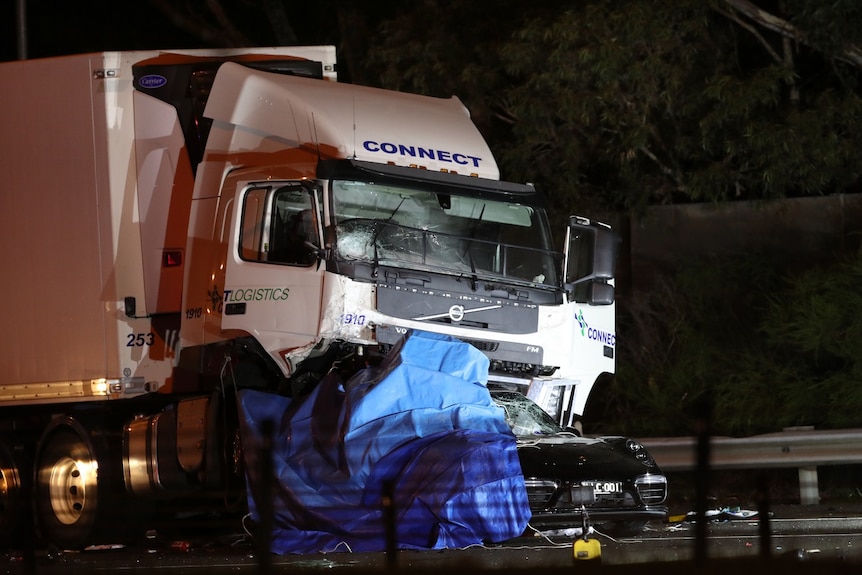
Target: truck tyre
pixel 77 492
pixel 12 498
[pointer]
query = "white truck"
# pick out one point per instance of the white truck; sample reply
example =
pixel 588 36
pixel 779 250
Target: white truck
pixel 178 225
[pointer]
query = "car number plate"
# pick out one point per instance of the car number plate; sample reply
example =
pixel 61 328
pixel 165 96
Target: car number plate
pixel 607 486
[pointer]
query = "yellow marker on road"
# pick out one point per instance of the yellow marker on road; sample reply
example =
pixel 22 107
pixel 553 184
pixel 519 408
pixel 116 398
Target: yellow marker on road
pixel 587 549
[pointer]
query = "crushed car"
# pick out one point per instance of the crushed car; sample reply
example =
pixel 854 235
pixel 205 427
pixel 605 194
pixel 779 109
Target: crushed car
pixel 613 479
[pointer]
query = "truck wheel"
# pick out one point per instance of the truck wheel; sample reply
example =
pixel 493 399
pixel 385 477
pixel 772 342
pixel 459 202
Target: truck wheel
pixel 74 487
pixel 12 497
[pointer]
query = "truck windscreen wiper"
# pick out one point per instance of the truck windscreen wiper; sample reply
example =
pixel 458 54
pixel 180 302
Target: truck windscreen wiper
pixel 380 226
pixel 468 248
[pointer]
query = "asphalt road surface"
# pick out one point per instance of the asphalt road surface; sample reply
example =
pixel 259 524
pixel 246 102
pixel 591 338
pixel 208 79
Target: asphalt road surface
pixel 801 538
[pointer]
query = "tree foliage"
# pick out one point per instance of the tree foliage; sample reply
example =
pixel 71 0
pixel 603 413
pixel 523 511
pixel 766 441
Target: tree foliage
pixel 639 103
pixel 767 350
pixel 616 105
pixel 679 340
pixel 814 333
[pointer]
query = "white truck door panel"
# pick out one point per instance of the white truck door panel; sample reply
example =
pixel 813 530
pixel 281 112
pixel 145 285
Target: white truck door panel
pixel 273 282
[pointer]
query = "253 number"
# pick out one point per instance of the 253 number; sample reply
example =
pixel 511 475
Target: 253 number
pixel 140 339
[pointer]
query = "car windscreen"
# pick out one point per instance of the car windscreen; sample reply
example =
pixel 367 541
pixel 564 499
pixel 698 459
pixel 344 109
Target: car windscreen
pixel 524 416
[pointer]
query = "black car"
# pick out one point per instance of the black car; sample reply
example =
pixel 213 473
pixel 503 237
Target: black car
pixel 614 479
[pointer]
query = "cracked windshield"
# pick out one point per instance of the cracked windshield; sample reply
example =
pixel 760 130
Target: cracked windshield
pixel 525 417
pixel 445 232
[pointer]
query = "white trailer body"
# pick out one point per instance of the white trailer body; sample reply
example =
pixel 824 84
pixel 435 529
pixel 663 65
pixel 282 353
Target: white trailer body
pixel 95 199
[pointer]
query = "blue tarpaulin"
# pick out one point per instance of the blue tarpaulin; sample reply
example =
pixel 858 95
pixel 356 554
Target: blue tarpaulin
pixel 421 427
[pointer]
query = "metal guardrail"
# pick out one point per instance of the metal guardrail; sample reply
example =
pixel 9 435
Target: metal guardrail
pixel 802 448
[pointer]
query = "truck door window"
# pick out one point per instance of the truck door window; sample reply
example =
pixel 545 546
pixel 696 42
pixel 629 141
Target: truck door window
pixel 278 224
pixel 580 264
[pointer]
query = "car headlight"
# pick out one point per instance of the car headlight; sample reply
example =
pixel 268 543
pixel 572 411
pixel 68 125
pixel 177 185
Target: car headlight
pixel 639 452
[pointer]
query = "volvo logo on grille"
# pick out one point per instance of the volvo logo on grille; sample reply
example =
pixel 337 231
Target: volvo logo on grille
pixel 456 312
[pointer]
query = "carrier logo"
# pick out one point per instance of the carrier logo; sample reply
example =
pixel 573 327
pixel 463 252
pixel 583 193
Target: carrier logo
pixel 151 81
pixel 604 337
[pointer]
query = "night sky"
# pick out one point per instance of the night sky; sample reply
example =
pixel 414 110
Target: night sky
pixel 56 27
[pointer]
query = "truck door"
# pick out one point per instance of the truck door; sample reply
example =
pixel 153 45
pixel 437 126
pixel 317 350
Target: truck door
pixel 273 279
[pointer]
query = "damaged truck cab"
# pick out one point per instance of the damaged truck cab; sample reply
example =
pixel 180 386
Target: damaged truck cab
pixel 378 213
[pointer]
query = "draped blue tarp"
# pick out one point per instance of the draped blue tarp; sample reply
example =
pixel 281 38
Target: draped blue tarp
pixel 421 427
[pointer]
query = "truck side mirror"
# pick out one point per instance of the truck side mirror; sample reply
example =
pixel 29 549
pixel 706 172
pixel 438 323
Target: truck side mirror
pixel 591 258
pixel 605 247
pixel 599 293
